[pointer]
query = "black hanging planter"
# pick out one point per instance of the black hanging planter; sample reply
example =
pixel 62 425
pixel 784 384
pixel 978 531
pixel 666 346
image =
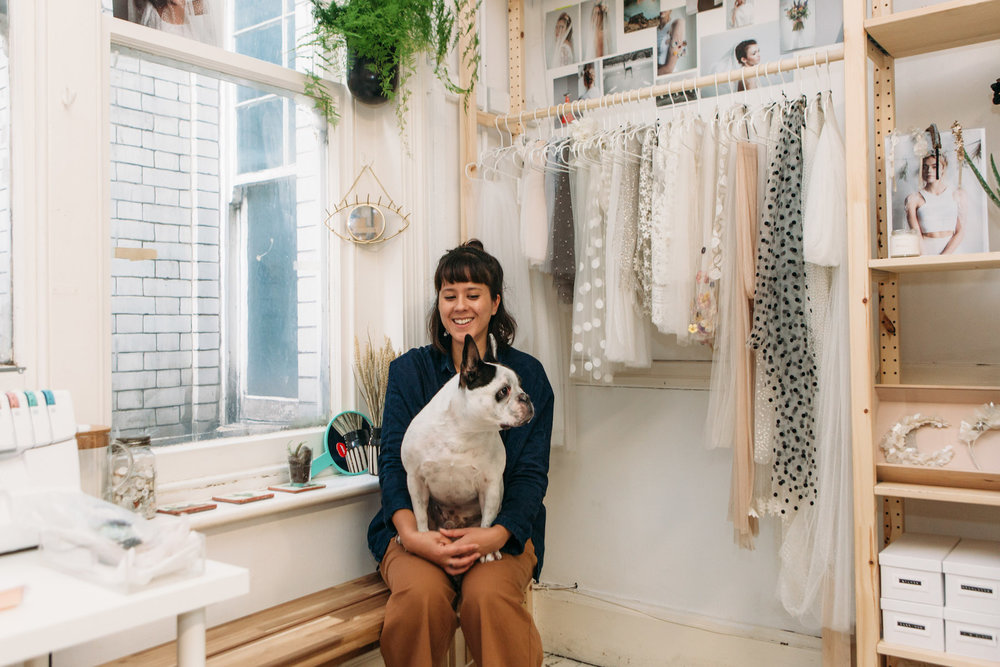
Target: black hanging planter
pixel 364 81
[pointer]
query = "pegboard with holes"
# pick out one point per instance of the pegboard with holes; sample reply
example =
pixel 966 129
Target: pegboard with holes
pixel 888 330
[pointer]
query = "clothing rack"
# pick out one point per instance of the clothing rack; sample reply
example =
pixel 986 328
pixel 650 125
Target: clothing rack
pixel 513 122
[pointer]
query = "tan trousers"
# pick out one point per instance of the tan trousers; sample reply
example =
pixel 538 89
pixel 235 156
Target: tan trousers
pixel 420 617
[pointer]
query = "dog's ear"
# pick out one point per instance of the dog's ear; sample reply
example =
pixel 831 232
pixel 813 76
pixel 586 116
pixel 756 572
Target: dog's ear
pixel 474 373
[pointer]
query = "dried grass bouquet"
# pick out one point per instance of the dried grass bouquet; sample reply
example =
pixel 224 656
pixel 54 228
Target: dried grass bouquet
pixel 371 369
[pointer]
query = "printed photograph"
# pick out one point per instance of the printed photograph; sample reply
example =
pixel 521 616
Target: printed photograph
pixel 740 13
pixel 675 98
pixel 561 46
pixel 806 24
pixel 695 6
pixel 676 37
pixel 935 193
pixel 195 19
pixel 628 71
pixel 641 14
pixel 742 47
pixel 566 89
pixel 589 81
pixel 597 30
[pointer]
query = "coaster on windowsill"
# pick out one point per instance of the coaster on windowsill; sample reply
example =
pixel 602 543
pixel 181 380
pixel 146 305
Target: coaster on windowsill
pixel 186 508
pixel 243 497
pixel 296 488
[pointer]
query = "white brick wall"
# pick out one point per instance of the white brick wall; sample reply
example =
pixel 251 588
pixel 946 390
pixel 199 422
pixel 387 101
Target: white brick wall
pixel 167 313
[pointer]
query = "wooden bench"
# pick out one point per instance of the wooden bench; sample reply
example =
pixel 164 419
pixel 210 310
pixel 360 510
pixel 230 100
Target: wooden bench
pixel 324 628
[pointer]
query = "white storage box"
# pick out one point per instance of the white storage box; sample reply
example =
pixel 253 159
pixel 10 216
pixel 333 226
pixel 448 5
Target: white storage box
pixel 971 634
pixel 911 567
pixel 972 577
pixel 913 624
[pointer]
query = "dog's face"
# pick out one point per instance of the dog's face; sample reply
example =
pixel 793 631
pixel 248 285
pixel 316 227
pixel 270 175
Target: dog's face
pixel 493 391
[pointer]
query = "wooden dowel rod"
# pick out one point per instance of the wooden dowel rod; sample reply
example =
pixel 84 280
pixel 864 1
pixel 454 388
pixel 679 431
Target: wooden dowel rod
pixel 831 55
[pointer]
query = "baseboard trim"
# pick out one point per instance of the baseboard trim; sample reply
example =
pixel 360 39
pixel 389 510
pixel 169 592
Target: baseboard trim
pixel 603 631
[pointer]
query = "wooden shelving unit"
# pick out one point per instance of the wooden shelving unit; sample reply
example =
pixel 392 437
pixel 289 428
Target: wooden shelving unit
pixel 879 487
pixel 940 26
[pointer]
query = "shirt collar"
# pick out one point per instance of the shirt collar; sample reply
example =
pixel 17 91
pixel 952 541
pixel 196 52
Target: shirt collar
pixel 445 367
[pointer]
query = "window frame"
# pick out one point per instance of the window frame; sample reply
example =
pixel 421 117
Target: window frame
pixel 173 50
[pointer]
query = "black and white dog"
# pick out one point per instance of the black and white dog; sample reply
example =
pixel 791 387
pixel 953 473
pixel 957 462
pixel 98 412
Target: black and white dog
pixel 452 452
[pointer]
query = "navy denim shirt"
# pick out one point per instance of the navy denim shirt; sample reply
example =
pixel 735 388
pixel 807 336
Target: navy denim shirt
pixel 414 378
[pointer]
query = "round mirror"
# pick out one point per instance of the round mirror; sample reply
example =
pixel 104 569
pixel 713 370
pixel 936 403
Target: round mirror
pixel 344 444
pixel 365 223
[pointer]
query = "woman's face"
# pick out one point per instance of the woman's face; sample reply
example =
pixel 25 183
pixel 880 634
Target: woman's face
pixel 562 25
pixel 466 309
pixel 927 172
pixel 752 57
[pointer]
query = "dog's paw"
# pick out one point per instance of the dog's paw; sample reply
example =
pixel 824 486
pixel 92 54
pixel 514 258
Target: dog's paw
pixel 490 557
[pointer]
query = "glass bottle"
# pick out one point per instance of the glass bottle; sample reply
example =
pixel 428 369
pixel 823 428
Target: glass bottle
pixel 133 475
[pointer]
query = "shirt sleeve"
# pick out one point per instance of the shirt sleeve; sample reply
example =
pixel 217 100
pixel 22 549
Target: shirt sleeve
pixel 527 474
pixel 398 412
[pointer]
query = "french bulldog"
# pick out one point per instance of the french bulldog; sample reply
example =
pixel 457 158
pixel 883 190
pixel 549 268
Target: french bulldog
pixel 452 452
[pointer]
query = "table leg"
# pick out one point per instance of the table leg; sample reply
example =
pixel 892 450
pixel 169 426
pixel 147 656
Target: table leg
pixel 191 638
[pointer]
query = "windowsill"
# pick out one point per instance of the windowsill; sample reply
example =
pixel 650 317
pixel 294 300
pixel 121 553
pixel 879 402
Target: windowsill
pixel 338 487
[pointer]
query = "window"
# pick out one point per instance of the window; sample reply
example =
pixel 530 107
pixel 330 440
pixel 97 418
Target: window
pixel 219 302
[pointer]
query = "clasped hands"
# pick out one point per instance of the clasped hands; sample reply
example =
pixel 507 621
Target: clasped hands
pixel 455 550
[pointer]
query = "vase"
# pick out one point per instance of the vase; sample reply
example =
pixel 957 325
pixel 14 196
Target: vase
pixel 364 82
pixel 354 452
pixel 372 450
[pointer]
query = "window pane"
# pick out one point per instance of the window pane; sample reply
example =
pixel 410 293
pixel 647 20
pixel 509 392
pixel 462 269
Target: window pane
pixel 6 303
pixel 260 134
pixel 263 43
pixel 251 12
pixel 219 270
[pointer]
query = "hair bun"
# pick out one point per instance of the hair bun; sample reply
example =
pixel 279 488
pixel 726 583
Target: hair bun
pixel 474 243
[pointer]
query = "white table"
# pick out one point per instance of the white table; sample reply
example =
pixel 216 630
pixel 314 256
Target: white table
pixel 60 610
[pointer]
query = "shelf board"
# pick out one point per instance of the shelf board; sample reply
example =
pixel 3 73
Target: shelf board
pixel 935 657
pixel 945 494
pixel 964 262
pixel 936 393
pixel 943 25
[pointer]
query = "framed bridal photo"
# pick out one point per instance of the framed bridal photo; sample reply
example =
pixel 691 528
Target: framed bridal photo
pixel 934 192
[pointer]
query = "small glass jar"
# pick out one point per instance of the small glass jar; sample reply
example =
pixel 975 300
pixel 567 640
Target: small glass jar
pixel 133 475
pixel 904 243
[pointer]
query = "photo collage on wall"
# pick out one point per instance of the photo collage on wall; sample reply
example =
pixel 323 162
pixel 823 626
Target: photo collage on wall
pixel 606 47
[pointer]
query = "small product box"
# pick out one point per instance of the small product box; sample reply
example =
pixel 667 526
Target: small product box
pixel 913 624
pixel 971 634
pixel 911 568
pixel 972 577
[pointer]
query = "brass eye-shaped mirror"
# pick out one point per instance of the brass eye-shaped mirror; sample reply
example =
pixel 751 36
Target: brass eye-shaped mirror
pixel 365 223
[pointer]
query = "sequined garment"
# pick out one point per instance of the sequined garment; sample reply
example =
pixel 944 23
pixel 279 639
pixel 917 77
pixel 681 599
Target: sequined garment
pixel 780 326
pixel 642 267
pixel 562 260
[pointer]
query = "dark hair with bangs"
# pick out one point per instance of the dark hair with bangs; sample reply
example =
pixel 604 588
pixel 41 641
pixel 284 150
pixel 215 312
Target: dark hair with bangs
pixel 469 263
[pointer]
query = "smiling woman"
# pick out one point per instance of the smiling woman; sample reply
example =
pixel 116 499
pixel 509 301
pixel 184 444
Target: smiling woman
pixel 419 567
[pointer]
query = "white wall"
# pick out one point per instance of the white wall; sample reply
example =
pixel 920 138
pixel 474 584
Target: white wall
pixel 638 512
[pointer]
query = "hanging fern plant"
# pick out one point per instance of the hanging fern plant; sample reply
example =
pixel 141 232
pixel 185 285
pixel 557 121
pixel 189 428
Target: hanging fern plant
pixel 388 35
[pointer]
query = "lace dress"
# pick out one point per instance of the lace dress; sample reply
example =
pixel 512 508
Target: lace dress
pixel 628 339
